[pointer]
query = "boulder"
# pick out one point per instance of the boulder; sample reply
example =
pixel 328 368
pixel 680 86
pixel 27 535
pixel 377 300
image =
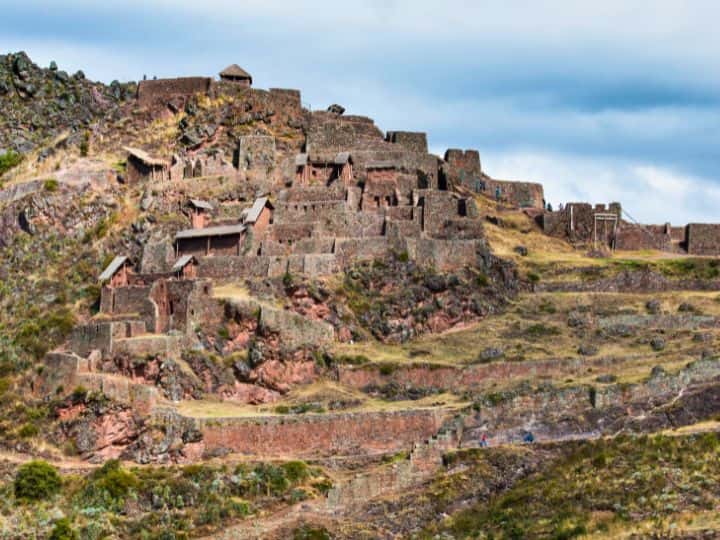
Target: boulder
pixel 657 344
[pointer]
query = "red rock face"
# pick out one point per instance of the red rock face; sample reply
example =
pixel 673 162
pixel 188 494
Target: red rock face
pixel 71 412
pixel 249 394
pixel 114 430
pixel 282 376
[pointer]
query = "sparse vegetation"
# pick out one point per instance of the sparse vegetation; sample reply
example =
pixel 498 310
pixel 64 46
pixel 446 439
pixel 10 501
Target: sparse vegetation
pixel 596 486
pixel 9 160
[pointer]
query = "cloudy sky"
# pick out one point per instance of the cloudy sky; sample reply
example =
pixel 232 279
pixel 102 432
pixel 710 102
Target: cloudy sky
pixel 599 101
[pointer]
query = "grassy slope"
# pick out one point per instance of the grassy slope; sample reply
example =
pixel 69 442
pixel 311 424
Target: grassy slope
pixel 606 487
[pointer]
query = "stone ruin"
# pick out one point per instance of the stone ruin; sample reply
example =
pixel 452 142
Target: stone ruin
pixel 344 194
pixel 608 227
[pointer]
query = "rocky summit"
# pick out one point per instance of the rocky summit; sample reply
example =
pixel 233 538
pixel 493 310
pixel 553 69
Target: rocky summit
pixel 224 315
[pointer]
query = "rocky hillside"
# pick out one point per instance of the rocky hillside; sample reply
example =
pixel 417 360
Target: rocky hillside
pixel 41 104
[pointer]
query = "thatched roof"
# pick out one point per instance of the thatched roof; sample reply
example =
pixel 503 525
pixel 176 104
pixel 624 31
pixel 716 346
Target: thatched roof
pixel 144 157
pixel 235 72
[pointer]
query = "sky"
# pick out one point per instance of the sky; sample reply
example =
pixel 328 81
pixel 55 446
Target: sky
pixel 616 100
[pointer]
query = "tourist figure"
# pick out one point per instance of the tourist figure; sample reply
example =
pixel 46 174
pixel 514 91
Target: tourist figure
pixel 498 192
pixel 529 437
pixel 484 441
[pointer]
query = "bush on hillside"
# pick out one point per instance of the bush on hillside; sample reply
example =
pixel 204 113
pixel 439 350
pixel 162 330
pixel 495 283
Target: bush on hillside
pixel 37 480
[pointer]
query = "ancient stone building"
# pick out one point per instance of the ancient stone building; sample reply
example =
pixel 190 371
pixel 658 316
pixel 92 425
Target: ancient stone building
pixel 237 75
pixel 323 168
pixel 199 213
pixel 209 241
pixel 117 273
pixel 186 267
pixel 259 216
pixel 141 167
pixel 462 168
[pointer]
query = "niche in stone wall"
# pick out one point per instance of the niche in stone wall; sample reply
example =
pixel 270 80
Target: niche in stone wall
pixel 462 208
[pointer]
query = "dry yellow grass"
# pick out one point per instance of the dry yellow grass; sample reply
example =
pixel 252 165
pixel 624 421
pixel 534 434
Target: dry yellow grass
pixel 320 392
pixel 509 332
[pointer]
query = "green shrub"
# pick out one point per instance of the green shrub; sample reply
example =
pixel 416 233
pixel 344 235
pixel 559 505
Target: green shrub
pixel 282 409
pixel 541 330
pixel 296 471
pixel 63 531
pixel 85 144
pixel 482 280
pixel 36 480
pixel 223 333
pixel 112 478
pixel 4 385
pixel 28 430
pixel 352 360
pixel 9 160
pixel 306 532
pixel 323 486
pixel 51 185
pixel 387 369
pixel 533 277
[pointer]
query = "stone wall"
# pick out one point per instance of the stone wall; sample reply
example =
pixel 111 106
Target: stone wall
pixel 444 254
pixel 438 208
pixel 296 330
pixel 321 435
pixel 349 250
pixel 462 167
pixel 233 267
pixel 333 133
pixel 517 194
pixel 294 212
pixel 96 336
pixel 587 411
pixel 256 152
pixel 412 141
pixel 631 236
pixel 309 194
pixel 133 301
pixel 63 372
pixel 352 224
pixel 630 282
pixel 159 92
pixel 290 97
pixel 290 232
pixel 149 345
pixel 703 239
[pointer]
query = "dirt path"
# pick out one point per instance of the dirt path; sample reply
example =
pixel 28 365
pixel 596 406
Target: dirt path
pixel 64 465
